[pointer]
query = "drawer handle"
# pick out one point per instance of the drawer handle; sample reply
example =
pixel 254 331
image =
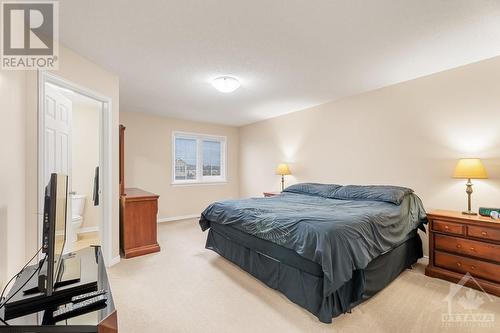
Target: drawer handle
pixel 484 233
pixel 459 264
pixel 459 246
pixel 446 227
pixel 473 249
pixel 472 267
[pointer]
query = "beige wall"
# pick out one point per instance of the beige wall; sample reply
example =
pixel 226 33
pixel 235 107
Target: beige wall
pixel 12 172
pixel 148 163
pixel 78 70
pixel 85 156
pixel 408 134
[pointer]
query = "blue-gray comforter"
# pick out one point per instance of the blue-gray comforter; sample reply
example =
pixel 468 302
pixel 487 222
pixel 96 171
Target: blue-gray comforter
pixel 342 228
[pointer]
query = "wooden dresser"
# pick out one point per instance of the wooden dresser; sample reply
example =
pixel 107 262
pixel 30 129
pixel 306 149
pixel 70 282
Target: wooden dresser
pixel 138 223
pixel 138 215
pixel 460 244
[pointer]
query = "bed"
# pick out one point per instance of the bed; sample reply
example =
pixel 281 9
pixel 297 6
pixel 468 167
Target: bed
pixel 326 247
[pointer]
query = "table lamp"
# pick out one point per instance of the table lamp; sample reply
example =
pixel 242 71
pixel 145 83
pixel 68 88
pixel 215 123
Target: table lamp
pixel 283 170
pixel 470 168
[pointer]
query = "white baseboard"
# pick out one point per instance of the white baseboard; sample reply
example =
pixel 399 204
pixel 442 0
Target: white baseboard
pixel 113 261
pixel 176 218
pixel 424 260
pixel 88 229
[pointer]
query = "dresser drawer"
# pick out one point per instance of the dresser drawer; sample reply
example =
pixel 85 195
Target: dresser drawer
pixel 483 232
pixel 448 227
pixel 468 247
pixel 463 265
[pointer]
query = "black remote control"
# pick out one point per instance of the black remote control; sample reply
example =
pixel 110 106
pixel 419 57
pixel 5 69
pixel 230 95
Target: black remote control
pixel 74 309
pixel 83 297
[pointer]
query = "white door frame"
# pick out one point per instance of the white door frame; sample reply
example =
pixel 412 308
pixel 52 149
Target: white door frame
pixel 105 142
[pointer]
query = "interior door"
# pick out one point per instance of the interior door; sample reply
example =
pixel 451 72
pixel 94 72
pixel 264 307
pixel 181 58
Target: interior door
pixel 57 143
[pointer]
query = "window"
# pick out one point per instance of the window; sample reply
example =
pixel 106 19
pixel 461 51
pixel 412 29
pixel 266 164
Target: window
pixel 185 159
pixel 198 158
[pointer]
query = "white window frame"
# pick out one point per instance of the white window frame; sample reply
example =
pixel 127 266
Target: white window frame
pixel 200 179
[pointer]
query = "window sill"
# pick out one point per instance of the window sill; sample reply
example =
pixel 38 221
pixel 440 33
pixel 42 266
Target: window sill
pixel 224 182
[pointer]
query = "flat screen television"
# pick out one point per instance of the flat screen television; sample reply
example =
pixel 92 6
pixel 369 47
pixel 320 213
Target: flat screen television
pixel 54 228
pixel 59 278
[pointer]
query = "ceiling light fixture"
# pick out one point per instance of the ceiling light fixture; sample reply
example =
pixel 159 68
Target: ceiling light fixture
pixel 226 84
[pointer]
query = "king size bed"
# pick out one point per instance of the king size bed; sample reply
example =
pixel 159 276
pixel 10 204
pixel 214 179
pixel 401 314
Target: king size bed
pixel 326 247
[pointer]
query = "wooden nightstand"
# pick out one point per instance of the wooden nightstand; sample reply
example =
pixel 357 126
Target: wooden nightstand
pixel 271 194
pixel 460 244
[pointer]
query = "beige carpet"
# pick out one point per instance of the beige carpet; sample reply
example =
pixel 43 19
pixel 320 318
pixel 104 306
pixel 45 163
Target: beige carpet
pixel 186 288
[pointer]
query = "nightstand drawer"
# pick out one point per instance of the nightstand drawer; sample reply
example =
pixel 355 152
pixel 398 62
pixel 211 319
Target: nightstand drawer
pixel 463 265
pixel 484 233
pixel 468 247
pixel 448 227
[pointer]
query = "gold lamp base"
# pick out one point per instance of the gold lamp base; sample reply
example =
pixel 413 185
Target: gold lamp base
pixel 469 193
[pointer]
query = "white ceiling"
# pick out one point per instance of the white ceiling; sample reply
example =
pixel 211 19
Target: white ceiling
pixel 288 54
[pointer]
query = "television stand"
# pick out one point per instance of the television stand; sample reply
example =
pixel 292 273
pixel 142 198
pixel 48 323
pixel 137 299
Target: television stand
pixel 33 312
pixel 32 298
pixel 70 274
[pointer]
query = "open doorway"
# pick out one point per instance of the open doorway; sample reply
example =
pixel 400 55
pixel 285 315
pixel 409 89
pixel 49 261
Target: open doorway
pixel 74 140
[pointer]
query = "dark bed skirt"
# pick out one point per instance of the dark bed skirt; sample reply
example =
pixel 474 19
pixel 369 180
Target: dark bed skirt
pixel 306 289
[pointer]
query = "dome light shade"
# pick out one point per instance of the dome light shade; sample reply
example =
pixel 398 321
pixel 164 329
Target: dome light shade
pixel 226 84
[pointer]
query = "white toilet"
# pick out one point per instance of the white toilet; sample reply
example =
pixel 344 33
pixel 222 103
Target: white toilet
pixel 77 208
